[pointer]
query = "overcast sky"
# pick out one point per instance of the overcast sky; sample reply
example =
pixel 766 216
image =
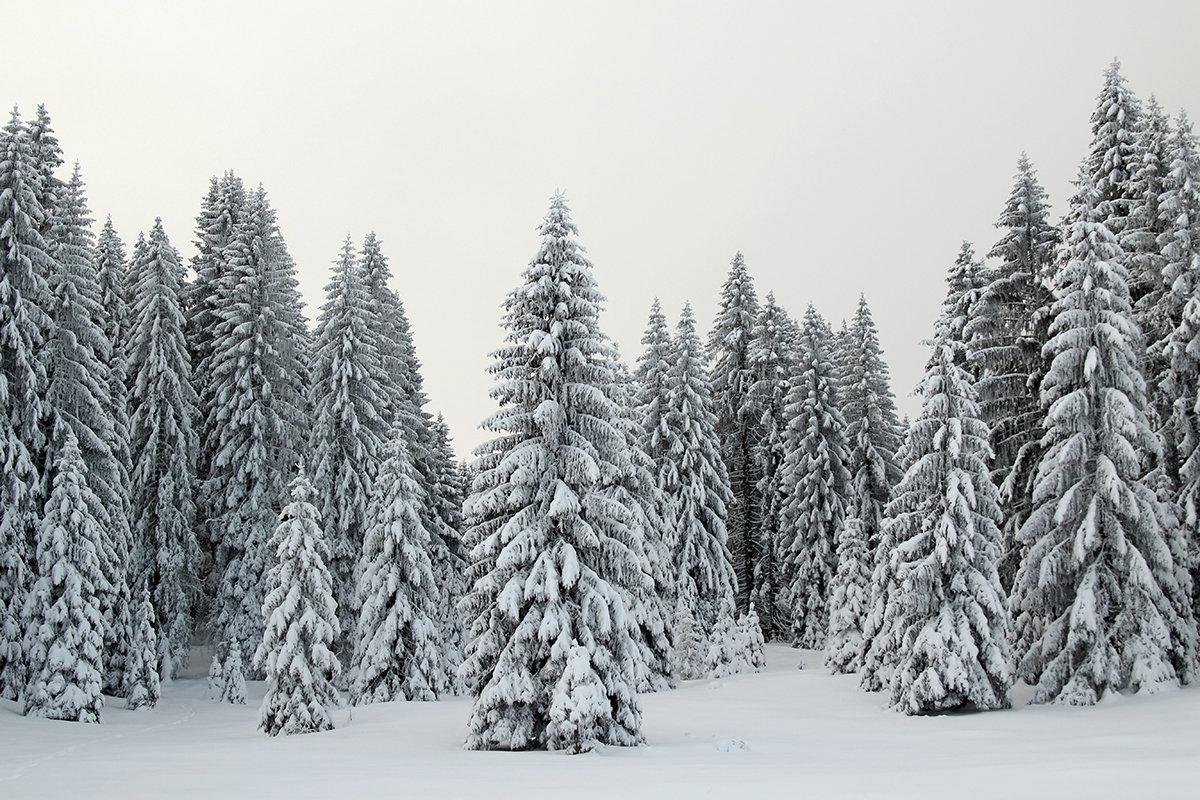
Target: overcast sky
pixel 843 147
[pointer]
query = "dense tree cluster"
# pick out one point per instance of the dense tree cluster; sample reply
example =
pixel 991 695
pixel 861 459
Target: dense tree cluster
pixel 1065 553
pixel 153 424
pixel 185 460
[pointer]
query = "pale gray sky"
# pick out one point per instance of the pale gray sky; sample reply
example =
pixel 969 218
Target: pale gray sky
pixel 843 147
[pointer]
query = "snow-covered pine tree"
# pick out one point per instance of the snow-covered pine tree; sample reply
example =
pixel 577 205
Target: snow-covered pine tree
pixel 650 599
pixel 1112 162
pixel 449 559
pixel 348 428
pixel 1158 311
pixel 77 358
pixel 110 269
pixel 221 214
pixel 48 155
pixel 216 677
pixel 946 616
pixel 689 653
pixel 63 615
pixel 967 280
pixel 257 416
pixel 1005 332
pixel 233 683
pixel 773 358
pixel 723 658
pixel 552 553
pixel 872 429
pixel 737 426
pixel 652 377
pixel 162 447
pixel 393 341
pixel 816 487
pixel 1179 205
pixel 1101 601
pixel 301 623
pixel 25 325
pixel 580 709
pixel 141 684
pixel 752 644
pixel 396 643
pixel 403 401
pixel 849 599
pixel 699 484
pixel 880 640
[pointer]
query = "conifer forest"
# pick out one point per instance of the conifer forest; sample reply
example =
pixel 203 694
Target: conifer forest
pixel 209 483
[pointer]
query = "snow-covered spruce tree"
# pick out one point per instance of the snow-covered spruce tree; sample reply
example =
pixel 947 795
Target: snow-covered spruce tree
pixel 580 709
pixel 1006 331
pixel 737 426
pixel 233 683
pixel 849 598
pixel 48 156
pixel 553 554
pixel 1158 311
pixel 772 357
pixel 403 401
pixel 879 641
pixel 1112 161
pixel 25 325
pixel 967 280
pixel 141 685
pixel 649 601
pixel 1180 243
pixel 396 359
pixel 689 653
pixel 221 213
pixel 63 615
pixel 946 618
pixel 1101 602
pixel 216 677
pixel 301 623
pixel 348 428
pixel 256 418
pixel 396 644
pixel 752 644
pixel 449 559
pixel 652 377
pixel 698 483
pixel 79 394
pixel 162 447
pixel 816 487
pixel 872 429
pixel 110 268
pixel 873 439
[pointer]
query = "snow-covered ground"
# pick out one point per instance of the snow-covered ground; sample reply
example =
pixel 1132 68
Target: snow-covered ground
pixel 787 732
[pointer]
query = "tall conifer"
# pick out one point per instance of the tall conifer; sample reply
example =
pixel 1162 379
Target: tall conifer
pixel 25 326
pixel 773 358
pixel 737 426
pixel 64 618
pixel 1006 331
pixel 816 486
pixel 946 617
pixel 550 548
pixel 256 417
pixel 348 427
pixel 163 447
pixel 301 623
pixel 1101 601
pixel 698 482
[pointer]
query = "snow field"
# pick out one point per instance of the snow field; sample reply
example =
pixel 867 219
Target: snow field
pixel 805 734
